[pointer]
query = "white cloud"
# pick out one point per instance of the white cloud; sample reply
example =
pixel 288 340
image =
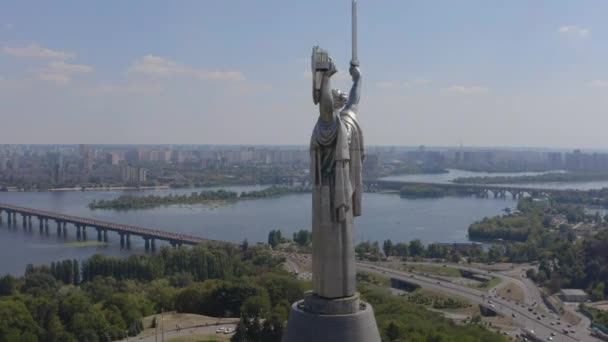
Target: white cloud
pixel 61 66
pixel 599 84
pixel 162 67
pixel 575 31
pixel 156 66
pixel 467 90
pixel 61 73
pixel 37 51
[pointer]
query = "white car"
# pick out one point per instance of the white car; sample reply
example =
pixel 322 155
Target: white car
pixel 220 330
pixel 228 331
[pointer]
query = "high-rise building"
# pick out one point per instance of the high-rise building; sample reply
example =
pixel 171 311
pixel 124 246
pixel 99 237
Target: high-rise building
pixel 555 160
pixel 57 167
pixel 134 174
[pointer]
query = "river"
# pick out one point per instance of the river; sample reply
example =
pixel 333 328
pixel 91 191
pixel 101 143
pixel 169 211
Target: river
pixel 385 216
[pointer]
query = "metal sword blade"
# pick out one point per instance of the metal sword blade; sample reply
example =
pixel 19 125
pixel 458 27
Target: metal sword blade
pixel 354 57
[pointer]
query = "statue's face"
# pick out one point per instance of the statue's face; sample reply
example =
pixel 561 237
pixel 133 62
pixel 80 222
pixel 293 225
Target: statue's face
pixel 340 98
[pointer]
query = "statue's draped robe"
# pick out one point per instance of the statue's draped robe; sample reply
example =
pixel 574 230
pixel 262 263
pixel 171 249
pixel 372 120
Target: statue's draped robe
pixel 337 153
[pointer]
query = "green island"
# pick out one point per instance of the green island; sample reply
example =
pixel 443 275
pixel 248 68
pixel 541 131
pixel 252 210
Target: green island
pixel 421 191
pixel 90 243
pixel 107 298
pixel 542 178
pixel 129 202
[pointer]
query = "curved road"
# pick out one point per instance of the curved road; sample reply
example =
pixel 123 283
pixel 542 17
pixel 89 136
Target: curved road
pixel 523 317
pixel 531 292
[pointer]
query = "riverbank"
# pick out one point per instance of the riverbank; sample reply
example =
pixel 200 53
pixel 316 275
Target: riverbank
pixel 77 188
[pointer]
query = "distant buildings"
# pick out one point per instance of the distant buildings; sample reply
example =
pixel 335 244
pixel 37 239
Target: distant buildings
pixel 133 174
pixel 57 167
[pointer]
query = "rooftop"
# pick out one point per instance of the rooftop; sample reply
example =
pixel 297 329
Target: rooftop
pixel 573 292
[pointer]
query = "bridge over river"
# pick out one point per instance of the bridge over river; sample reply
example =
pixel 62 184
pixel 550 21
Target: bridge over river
pixel 480 190
pixel 102 227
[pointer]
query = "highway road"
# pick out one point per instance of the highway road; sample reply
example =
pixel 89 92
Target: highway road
pixel 531 293
pixel 519 313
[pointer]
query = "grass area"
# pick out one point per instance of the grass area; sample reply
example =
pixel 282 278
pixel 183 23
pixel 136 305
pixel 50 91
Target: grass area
pixel 201 338
pixel 467 309
pixel 172 319
pixel 443 271
pixel 90 243
pixel 512 292
pixel 487 285
pixel 373 278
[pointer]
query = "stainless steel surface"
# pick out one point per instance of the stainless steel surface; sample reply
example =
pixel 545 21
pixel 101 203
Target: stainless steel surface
pixel 354 57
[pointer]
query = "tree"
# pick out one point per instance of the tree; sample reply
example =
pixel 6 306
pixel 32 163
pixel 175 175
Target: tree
pixel 76 272
pixel 598 292
pixel 387 247
pixel 256 306
pixel 302 237
pixel 272 329
pixel 400 249
pixel 393 331
pixel 555 284
pixel 245 245
pixel 495 253
pixel 8 285
pixel 531 274
pixel 274 238
pixel 16 322
pixel 416 248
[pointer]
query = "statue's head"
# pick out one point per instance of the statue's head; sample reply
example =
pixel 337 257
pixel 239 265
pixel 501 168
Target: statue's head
pixel 340 98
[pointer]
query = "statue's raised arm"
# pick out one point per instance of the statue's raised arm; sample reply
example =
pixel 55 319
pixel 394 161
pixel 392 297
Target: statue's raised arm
pixel 355 91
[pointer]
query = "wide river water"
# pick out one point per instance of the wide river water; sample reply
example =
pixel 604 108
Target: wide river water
pixel 384 216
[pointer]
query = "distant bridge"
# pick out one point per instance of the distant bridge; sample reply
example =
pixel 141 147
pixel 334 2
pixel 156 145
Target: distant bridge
pixel 102 227
pixel 479 190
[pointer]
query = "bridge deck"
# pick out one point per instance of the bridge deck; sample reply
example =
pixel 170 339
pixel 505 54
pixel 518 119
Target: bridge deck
pixel 120 228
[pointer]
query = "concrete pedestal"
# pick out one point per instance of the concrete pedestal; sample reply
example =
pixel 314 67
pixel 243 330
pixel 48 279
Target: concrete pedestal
pixel 308 327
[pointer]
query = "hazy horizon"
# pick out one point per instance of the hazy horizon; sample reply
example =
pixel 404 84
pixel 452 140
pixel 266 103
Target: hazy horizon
pixel 477 74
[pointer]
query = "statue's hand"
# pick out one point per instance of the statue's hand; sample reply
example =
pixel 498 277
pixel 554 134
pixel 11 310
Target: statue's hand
pixel 355 73
pixel 332 68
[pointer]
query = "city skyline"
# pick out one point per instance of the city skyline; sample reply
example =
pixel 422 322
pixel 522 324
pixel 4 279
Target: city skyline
pixel 437 74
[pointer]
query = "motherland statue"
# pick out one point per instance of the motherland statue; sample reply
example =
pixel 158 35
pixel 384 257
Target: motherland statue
pixel 333 311
pixel 336 152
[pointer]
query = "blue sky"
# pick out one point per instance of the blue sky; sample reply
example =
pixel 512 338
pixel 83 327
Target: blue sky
pixel 484 73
